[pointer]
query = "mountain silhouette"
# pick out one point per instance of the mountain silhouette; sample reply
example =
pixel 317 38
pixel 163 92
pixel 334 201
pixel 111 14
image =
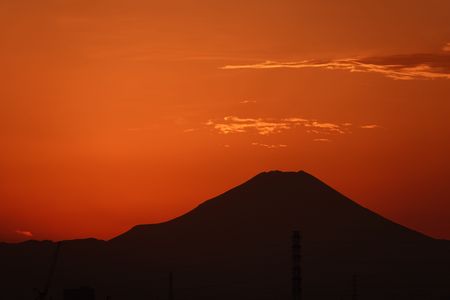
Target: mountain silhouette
pixel 237 246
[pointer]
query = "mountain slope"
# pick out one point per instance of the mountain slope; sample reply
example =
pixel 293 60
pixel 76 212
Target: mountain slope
pixel 284 200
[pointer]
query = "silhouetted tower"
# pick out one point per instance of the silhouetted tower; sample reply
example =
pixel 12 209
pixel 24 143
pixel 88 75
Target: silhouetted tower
pixel 354 287
pixel 296 260
pixel 171 286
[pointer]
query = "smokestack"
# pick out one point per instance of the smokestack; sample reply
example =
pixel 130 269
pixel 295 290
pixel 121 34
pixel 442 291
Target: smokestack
pixel 296 260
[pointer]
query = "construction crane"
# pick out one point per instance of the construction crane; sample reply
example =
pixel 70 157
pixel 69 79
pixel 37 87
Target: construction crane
pixel 42 294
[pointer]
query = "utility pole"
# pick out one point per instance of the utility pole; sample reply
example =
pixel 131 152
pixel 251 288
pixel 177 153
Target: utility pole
pixel 171 286
pixel 296 261
pixel 354 287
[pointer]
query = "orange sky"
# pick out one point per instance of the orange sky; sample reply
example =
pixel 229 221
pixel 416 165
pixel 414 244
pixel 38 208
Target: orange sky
pixel 115 113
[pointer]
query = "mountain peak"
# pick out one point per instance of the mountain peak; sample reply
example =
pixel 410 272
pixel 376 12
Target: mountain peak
pixel 279 172
pixel 297 180
pixel 283 175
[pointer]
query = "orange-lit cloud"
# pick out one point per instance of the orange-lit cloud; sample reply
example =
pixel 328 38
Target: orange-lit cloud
pixel 24 233
pixel 271 146
pixel 327 127
pixel 370 126
pixel 233 124
pixel 399 67
pixel 322 140
pixel 446 47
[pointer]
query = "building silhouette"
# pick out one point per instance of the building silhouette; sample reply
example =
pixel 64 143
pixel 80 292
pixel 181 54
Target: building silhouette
pixel 82 293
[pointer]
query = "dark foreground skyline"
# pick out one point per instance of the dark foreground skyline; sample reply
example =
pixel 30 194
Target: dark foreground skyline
pixel 105 105
pixel 239 246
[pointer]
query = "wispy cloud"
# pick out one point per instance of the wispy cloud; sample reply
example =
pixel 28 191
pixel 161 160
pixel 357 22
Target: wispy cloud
pixel 233 124
pixel 370 126
pixel 399 67
pixel 323 132
pixel 327 127
pixel 446 47
pixel 248 102
pixel 24 233
pixel 267 126
pixel 322 140
pixel 271 146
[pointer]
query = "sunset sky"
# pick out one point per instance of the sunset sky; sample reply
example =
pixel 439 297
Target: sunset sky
pixel 116 113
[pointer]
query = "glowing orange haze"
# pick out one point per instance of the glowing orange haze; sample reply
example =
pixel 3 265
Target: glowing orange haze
pixel 115 113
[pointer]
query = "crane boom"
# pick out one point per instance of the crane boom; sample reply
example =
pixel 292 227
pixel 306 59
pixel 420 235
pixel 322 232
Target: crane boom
pixel 43 294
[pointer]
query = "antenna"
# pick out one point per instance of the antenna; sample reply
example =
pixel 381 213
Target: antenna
pixel 296 260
